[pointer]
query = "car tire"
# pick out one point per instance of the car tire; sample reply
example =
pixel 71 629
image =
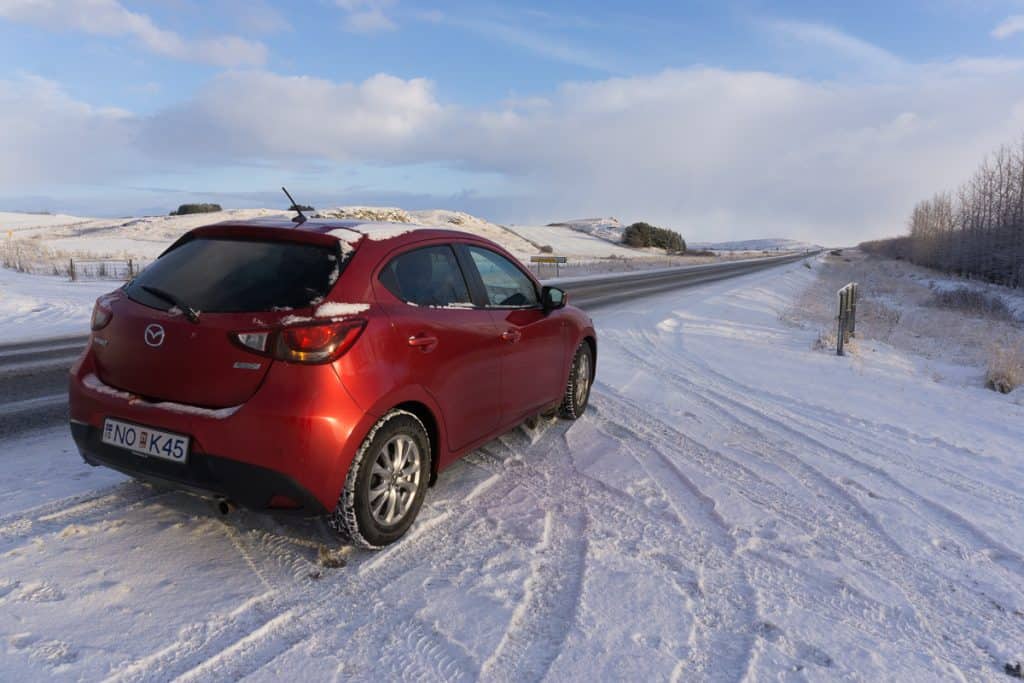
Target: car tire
pixel 381 496
pixel 577 388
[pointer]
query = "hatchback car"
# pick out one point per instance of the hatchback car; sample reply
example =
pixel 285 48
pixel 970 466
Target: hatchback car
pixel 332 368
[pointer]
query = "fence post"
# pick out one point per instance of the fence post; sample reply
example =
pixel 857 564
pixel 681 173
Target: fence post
pixel 841 332
pixel 855 294
pixel 71 269
pixel 130 274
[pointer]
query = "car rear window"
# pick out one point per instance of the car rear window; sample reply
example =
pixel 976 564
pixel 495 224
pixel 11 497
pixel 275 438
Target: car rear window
pixel 220 275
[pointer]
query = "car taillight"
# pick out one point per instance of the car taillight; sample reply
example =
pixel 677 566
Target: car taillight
pixel 318 343
pixel 101 316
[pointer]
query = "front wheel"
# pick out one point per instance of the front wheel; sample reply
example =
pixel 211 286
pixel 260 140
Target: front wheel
pixel 386 483
pixel 577 389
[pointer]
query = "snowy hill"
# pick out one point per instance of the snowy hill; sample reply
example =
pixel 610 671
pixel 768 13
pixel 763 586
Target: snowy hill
pixel 769 244
pixel 568 242
pixel 452 220
pixel 609 229
pixel 56 237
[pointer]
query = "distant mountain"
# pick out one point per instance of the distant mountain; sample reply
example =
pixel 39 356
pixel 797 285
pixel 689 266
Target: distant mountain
pixel 768 244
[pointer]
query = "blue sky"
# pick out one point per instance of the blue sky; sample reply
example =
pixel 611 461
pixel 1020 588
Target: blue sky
pixel 722 119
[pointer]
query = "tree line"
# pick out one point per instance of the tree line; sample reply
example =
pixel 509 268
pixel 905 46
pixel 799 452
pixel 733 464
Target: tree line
pixel 646 235
pixel 977 230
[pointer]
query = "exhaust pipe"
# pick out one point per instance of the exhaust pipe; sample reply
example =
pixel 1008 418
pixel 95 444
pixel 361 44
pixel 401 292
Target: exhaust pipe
pixel 225 506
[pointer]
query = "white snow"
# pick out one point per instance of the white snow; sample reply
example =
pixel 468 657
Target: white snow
pixel 296 319
pixel 404 221
pixel 733 505
pixel 94 383
pixel 573 243
pixel 609 229
pixel 43 306
pixel 333 309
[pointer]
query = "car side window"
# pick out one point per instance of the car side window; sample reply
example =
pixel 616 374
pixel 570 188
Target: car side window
pixel 505 284
pixel 427 277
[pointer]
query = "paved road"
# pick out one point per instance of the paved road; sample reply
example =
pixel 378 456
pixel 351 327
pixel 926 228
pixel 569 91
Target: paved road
pixel 33 383
pixel 33 375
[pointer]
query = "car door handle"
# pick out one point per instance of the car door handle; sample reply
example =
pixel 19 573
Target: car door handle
pixel 423 342
pixel 511 336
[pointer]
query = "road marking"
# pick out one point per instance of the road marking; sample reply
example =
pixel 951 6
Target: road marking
pixel 40 402
pixel 71 346
pixel 61 363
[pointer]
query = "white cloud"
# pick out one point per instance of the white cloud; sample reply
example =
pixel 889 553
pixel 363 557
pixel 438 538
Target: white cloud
pixel 110 18
pixel 713 152
pixel 1009 27
pixel 251 115
pixel 49 137
pixel 367 16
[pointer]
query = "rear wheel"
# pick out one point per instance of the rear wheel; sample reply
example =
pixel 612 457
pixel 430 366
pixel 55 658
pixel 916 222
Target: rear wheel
pixel 386 483
pixel 577 389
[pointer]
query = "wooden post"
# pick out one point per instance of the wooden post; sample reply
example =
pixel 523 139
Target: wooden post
pixel 71 269
pixel 853 309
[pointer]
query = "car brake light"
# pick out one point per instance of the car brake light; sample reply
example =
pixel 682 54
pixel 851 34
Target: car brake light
pixel 101 316
pixel 318 343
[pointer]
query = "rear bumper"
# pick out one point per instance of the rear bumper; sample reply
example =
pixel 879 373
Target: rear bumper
pixel 248 485
pixel 295 437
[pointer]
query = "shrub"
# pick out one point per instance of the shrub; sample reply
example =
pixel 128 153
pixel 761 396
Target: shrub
pixel 897 248
pixel 1005 369
pixel 646 235
pixel 972 301
pixel 826 340
pixel 293 207
pixel 547 249
pixel 186 209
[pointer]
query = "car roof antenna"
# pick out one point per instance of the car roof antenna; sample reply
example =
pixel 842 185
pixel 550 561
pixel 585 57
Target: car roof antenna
pixel 301 218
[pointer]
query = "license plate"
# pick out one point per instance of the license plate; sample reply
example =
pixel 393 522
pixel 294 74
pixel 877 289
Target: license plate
pixel 146 441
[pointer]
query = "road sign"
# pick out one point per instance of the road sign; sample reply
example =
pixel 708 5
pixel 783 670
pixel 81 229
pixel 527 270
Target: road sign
pixel 549 259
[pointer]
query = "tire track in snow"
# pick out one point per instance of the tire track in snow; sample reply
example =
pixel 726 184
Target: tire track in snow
pixel 721 643
pixel 194 642
pixel 55 516
pixel 978 540
pixel 541 622
pixel 924 588
pixel 298 605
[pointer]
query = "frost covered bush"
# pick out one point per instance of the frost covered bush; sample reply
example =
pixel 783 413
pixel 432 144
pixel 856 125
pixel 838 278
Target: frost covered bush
pixel 1005 369
pixel 826 340
pixel 186 209
pixel 972 301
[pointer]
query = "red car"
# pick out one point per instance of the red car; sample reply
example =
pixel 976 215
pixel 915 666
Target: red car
pixel 332 368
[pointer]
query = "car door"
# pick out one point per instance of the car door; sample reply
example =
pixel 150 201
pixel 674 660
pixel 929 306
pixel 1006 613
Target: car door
pixel 533 354
pixel 451 348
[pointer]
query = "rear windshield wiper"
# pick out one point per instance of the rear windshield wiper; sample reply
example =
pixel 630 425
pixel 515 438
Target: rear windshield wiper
pixel 190 313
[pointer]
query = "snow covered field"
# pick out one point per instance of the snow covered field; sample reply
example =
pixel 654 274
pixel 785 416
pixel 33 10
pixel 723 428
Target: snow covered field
pixel 40 307
pixel 144 238
pixel 733 505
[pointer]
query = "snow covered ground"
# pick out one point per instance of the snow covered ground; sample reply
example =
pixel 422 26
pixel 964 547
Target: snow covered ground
pixel 55 238
pixel 608 229
pixel 566 242
pixel 40 306
pixel 733 505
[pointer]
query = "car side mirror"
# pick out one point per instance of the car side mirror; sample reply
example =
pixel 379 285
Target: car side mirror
pixel 553 298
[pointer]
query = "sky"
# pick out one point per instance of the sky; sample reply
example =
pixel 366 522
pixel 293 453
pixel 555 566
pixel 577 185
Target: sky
pixel 724 119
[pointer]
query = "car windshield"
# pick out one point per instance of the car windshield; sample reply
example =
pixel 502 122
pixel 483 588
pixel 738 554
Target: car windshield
pixel 219 275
